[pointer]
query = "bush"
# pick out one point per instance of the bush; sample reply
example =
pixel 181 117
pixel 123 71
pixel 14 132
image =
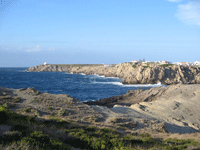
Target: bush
pixel 146 66
pixel 18 99
pixel 134 66
pixel 22 128
pixel 4 117
pixel 27 110
pixel 49 108
pixel 36 100
pixel 61 112
pixel 5 105
pixel 44 142
pixel 166 65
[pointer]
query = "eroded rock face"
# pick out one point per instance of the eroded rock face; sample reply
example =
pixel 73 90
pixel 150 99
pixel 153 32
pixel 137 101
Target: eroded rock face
pixel 137 74
pixel 131 97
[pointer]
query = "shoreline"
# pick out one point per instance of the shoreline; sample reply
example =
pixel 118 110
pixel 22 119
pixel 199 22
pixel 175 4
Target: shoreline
pixel 155 112
pixel 135 106
pixel 132 73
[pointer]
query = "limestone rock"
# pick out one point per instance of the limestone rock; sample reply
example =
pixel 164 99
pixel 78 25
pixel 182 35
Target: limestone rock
pixel 133 74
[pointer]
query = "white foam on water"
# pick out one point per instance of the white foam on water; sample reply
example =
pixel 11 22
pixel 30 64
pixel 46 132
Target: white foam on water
pixel 130 85
pixel 115 83
pixel 104 76
pixel 82 74
pixel 113 77
pixel 90 100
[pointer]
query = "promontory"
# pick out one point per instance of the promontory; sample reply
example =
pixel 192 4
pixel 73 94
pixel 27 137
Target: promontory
pixel 140 73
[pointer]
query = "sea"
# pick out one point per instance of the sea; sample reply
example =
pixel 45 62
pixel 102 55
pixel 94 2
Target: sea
pixel 80 86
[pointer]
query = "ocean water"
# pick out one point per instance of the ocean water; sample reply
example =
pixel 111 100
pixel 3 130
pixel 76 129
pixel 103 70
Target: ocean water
pixel 80 86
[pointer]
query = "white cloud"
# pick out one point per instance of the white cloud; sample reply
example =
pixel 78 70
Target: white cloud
pixel 174 0
pixel 34 49
pixel 51 49
pixel 189 13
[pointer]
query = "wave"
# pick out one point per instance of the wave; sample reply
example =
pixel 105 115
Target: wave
pixel 130 85
pixel 105 77
pixel 143 85
pixel 82 74
pixel 89 100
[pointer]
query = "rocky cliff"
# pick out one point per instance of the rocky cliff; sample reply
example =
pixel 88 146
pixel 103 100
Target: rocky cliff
pixel 133 73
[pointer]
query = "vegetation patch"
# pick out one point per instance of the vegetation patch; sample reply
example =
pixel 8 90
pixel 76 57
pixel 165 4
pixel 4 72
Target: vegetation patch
pixel 49 108
pixel 27 133
pixel 18 99
pixel 36 100
pixel 146 66
pixel 62 112
pixel 27 110
pixel 134 66
pixel 167 65
pixel 41 141
pixel 4 93
pixel 179 144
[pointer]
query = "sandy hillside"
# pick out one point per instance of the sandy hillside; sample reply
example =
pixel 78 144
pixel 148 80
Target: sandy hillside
pixel 177 107
pixel 159 111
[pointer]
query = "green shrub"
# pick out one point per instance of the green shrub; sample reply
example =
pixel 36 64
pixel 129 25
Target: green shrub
pixel 57 144
pixel 18 99
pixel 36 100
pixel 27 109
pixel 22 128
pixel 61 112
pixel 4 117
pixel 49 108
pixel 4 93
pixel 12 105
pixel 37 113
pixel 5 105
pixel 166 65
pixel 134 66
pixel 146 66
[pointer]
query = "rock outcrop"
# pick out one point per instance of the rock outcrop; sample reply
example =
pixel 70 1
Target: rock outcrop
pixel 130 98
pixel 133 73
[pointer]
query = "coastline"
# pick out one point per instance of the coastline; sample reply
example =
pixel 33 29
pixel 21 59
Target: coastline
pixel 137 106
pixel 161 112
pixel 131 73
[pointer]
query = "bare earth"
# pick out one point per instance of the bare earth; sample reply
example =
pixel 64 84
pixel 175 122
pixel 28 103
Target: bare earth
pixel 163 112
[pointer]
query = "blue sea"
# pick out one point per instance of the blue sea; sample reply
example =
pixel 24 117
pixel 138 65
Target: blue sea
pixel 80 86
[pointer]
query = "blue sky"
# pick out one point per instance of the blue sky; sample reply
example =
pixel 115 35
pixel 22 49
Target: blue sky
pixel 98 31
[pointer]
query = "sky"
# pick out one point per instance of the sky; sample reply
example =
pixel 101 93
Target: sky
pixel 98 31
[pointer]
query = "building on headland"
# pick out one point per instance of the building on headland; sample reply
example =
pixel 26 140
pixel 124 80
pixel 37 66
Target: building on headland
pixel 196 63
pixel 107 65
pixel 162 62
pixel 177 63
pixel 185 63
pixel 134 61
pixel 117 65
pixel 45 63
pixel 145 62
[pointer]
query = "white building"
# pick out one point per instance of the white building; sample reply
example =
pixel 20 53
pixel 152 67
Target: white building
pixel 177 63
pixel 197 63
pixel 45 63
pixel 134 61
pixel 162 62
pixel 107 65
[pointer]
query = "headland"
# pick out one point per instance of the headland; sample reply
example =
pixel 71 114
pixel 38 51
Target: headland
pixel 132 73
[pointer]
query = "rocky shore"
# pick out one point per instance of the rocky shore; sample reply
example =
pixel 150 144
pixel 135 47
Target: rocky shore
pixel 162 112
pixel 163 109
pixel 149 73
